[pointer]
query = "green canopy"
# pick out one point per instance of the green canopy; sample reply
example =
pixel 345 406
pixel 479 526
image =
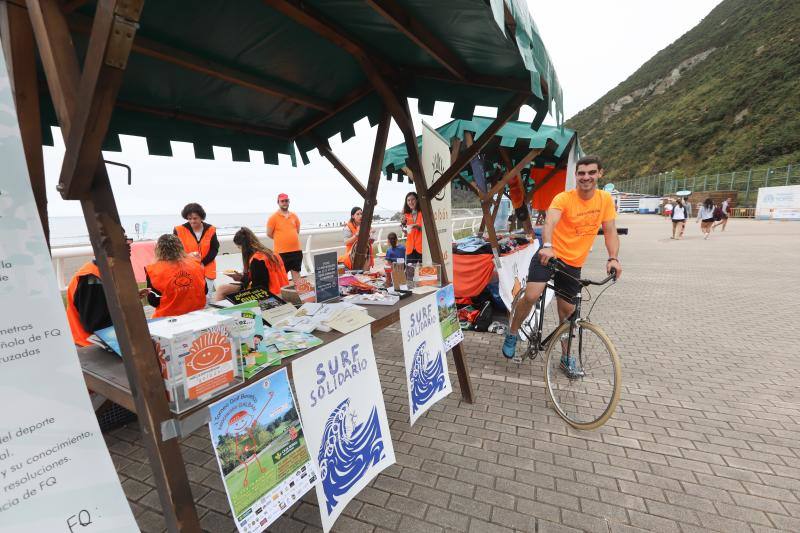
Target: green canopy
pixel 272 75
pixel 515 135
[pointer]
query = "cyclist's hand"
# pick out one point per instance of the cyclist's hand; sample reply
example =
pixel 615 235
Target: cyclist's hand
pixel 545 255
pixel 615 265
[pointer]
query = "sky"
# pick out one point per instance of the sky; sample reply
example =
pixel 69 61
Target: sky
pixel 594 45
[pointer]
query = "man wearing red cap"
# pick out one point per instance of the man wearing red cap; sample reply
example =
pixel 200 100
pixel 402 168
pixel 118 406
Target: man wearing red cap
pixel 283 227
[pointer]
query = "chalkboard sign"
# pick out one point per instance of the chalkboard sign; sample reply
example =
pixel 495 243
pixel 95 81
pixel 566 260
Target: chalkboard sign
pixel 326 276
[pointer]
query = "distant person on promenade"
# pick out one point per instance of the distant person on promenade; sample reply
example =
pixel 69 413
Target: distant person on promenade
pixel 199 240
pixel 283 227
pixel 262 268
pixel 678 219
pixel 412 228
pixel 706 217
pixel 721 214
pixel 668 208
pixel 350 233
pixel 87 309
pixel 394 251
pixel 176 283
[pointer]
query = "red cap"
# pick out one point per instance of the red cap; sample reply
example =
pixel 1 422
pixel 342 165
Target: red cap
pixel 283 196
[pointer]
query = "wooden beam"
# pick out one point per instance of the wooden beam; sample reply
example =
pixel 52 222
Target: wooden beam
pixel 325 150
pixel 343 104
pixel 420 35
pixel 362 244
pixel 530 156
pixel 121 291
pixel 176 56
pixel 113 30
pixel 503 116
pixel 516 85
pixel 20 54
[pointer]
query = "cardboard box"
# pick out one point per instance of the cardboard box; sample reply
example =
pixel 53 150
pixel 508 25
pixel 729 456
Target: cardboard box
pixel 199 355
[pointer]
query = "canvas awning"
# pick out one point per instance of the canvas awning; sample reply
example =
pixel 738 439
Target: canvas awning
pixel 518 137
pixel 274 74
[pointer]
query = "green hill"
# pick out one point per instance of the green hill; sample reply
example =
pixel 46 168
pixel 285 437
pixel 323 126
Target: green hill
pixel 725 95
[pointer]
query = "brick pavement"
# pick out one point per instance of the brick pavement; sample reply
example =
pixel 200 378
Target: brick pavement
pixel 706 437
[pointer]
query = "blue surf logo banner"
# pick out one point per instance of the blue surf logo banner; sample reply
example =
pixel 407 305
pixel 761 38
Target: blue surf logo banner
pixel 425 355
pixel 344 418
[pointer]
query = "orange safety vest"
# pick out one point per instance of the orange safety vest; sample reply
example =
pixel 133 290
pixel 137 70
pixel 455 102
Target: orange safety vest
pixel 414 237
pixel 79 334
pixel 182 285
pixel 277 273
pixel 347 258
pixel 203 246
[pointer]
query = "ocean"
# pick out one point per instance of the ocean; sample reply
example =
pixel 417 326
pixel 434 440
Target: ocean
pixel 65 231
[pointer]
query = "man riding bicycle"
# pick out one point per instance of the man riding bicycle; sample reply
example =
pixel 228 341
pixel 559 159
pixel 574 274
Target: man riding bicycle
pixel 571 225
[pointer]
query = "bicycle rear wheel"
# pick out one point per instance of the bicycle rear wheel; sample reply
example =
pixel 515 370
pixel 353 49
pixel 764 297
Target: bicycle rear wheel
pixel 588 401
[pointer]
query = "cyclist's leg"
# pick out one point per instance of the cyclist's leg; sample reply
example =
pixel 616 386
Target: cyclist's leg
pixel 567 286
pixel 538 276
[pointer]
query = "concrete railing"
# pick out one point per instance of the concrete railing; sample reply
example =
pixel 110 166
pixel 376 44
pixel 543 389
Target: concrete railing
pixel 61 255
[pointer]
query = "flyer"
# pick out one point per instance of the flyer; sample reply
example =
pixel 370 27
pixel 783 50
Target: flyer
pixel 340 397
pixel 448 317
pixel 425 356
pixel 261 451
pixel 55 468
pixel 249 329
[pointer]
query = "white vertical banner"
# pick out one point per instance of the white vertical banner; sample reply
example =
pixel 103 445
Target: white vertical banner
pixel 425 356
pixel 435 160
pixel 573 157
pixel 344 419
pixel 55 470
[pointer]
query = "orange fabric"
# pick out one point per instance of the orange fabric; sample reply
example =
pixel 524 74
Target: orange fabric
pixel 348 248
pixel 471 273
pixel 543 196
pixel 182 285
pixel 190 244
pixel 277 273
pixel 142 254
pixel 574 234
pixel 285 230
pixel 414 237
pixel 516 191
pixel 79 335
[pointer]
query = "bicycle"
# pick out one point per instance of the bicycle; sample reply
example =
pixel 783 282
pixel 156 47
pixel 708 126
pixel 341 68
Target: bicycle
pixel 587 395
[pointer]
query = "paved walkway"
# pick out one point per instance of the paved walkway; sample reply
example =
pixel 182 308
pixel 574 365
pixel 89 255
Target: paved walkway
pixel 707 435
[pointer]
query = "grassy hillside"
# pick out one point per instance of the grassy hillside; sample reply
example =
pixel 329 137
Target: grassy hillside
pixel 725 95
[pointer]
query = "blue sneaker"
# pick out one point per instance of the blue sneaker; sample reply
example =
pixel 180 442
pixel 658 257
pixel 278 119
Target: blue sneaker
pixel 569 365
pixel 510 346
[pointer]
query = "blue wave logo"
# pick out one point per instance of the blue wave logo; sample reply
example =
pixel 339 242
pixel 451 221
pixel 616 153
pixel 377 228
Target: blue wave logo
pixel 348 451
pixel 427 376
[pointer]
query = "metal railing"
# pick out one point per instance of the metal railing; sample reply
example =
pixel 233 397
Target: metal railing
pixel 61 254
pixel 746 182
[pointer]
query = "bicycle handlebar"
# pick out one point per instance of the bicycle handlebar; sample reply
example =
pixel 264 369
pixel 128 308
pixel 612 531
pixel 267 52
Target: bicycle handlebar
pixel 556 265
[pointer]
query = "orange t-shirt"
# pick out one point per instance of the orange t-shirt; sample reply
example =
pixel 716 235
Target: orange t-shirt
pixel 580 219
pixel 285 232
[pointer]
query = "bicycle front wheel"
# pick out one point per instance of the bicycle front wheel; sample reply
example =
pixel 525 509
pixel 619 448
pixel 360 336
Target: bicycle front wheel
pixel 584 384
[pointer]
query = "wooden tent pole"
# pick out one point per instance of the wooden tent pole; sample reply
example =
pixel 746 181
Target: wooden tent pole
pixel 362 244
pixel 108 241
pixel 326 152
pixel 20 54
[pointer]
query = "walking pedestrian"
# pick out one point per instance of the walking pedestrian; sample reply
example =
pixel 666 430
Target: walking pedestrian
pixel 706 215
pixel 721 214
pixel 283 227
pixel 678 219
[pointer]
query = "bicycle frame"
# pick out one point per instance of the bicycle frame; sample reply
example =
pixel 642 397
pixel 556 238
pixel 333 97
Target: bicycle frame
pixel 541 343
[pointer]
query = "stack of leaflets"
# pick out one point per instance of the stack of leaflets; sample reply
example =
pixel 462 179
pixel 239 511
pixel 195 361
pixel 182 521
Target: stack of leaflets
pixel 249 330
pixel 282 344
pixel 318 316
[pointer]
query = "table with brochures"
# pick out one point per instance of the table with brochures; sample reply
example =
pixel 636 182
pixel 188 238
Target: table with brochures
pixel 104 371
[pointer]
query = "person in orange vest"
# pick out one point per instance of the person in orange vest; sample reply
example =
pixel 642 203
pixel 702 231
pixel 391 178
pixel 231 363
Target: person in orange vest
pixel 87 310
pixel 350 231
pixel 262 267
pixel 176 283
pixel 199 240
pixel 412 228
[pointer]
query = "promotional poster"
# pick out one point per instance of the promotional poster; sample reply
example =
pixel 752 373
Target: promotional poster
pixel 448 317
pixel 425 355
pixel 341 401
pixel 261 451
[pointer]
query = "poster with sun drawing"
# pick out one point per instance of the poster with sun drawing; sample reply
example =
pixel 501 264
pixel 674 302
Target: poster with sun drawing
pixel 341 402
pixel 261 451
pixel 424 352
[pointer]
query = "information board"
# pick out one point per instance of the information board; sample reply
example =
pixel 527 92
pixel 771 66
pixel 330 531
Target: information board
pixel 326 276
pixel 55 469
